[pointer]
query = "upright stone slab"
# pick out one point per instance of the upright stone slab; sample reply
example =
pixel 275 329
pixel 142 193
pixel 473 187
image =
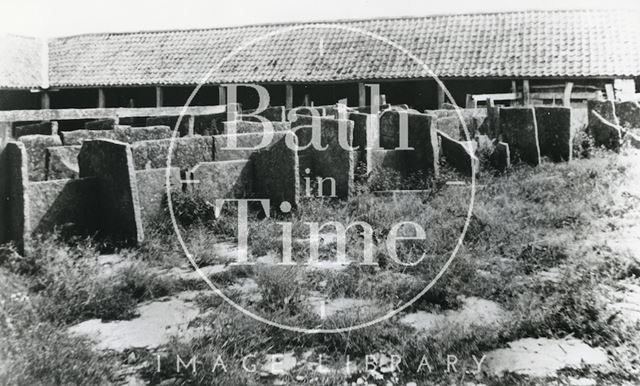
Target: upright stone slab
pixel 424 141
pixel 102 124
pixel 42 128
pixel 246 145
pixel 554 132
pixel 62 162
pixel 275 173
pixel 500 159
pixel 152 191
pixel 273 113
pixel 130 134
pixel 76 137
pixel 223 179
pixel 450 126
pixel 186 127
pixel 68 205
pixel 36 146
pixel 244 127
pixel 602 123
pixel 518 125
pixel 459 155
pixel 16 199
pixel 112 163
pixel 292 114
pixel 628 114
pixel 208 124
pixel 365 130
pixel 187 152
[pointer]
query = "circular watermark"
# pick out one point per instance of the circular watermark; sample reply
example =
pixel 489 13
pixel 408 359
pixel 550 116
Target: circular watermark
pixel 178 232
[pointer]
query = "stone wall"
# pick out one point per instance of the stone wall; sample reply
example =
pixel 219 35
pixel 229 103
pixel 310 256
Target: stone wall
pixel 187 152
pixel 223 179
pixel 187 123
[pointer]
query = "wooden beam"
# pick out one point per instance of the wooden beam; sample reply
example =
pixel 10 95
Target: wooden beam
pixel 222 95
pixel 288 96
pixel 45 100
pixel 440 96
pixel 102 101
pixel 159 96
pixel 496 97
pixel 526 93
pixel 560 95
pixel 566 98
pixel 71 114
pixel 362 95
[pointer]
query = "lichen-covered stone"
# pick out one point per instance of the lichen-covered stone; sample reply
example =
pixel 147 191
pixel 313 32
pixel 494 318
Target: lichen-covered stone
pixel 275 173
pixel 36 146
pixel 518 126
pixel 152 191
pixel 246 145
pixel 554 132
pixel 76 137
pixel 101 124
pixel 450 126
pixel 62 162
pixel 243 127
pixel 130 134
pixel 603 124
pixel 223 179
pixel 111 162
pixel 186 123
pixel 459 155
pixel 42 128
pixel 628 114
pixel 187 152
pixel 208 124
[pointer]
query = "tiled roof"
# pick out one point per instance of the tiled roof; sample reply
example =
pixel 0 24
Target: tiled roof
pixel 575 43
pixel 21 62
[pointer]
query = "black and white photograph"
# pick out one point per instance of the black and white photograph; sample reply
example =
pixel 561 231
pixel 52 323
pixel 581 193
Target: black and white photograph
pixel 332 193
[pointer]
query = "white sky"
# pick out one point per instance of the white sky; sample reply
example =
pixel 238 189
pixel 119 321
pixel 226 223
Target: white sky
pixel 67 17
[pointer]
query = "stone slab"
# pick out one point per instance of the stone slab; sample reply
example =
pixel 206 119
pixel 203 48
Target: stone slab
pixel 130 134
pixel 208 124
pixel 111 162
pixel 223 179
pixel 42 128
pixel 102 124
pixel 554 132
pixel 365 129
pixel 520 131
pixel 459 155
pixel 16 196
pixel 500 158
pixel 187 152
pixel 273 113
pixel 66 205
pixel 245 145
pixel 628 114
pixel 602 125
pixel 275 173
pixel 76 137
pixel 187 124
pixel 36 146
pixel 243 127
pixel 62 162
pixel 152 192
pixel 450 126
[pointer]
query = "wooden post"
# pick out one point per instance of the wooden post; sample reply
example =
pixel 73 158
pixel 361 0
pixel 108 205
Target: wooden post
pixel 306 100
pixel 440 96
pixel 102 101
pixel 222 95
pixel 609 90
pixel 288 96
pixel 526 93
pixel 362 95
pixel 5 133
pixel 159 96
pixel 190 125
pixel 566 99
pixel 45 101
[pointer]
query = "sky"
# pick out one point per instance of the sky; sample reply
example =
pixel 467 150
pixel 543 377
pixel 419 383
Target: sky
pixel 50 18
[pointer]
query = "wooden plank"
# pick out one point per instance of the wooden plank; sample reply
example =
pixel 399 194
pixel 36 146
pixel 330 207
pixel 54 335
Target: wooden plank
pixel 102 101
pixel 222 95
pixel 566 98
pixel 71 114
pixel 496 97
pixel 362 95
pixel 159 96
pixel 526 94
pixel 560 95
pixel 440 96
pixel 288 96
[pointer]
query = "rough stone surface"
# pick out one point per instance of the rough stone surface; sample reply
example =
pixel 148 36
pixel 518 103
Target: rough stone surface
pixel 130 134
pixel 119 210
pixel 17 198
pixel 364 130
pixel 273 113
pixel 602 128
pixel 292 114
pixel 478 121
pixel 628 114
pixel 42 128
pixel 242 127
pixel 76 137
pixel 208 124
pixel 459 155
pixel 223 179
pixel 62 162
pixel 152 189
pixel 187 152
pixel 66 204
pixel 246 145
pixel 275 173
pixel 518 126
pixel 171 121
pixel 501 156
pixel 554 132
pixel 101 124
pixel 542 357
pixel 36 146
pixel 450 126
